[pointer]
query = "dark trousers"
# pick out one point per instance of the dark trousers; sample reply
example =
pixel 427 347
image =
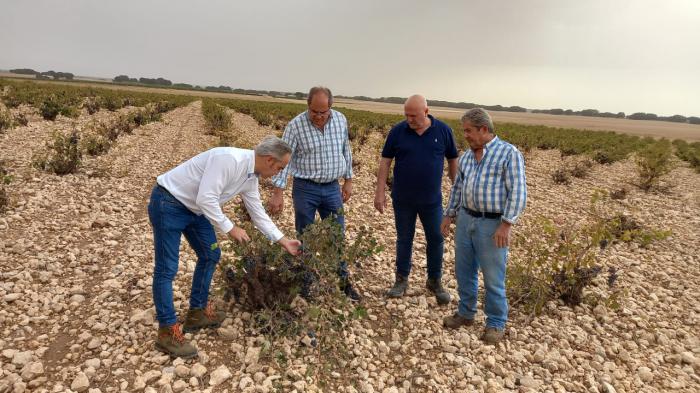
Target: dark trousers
pixel 405 219
pixel 310 197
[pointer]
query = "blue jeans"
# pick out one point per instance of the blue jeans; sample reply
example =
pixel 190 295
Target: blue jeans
pixel 405 221
pixel 475 248
pixel 310 197
pixel 170 219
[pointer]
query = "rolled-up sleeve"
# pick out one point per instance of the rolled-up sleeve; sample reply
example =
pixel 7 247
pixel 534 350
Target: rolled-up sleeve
pixel 456 193
pixel 516 187
pixel 251 198
pixel 347 154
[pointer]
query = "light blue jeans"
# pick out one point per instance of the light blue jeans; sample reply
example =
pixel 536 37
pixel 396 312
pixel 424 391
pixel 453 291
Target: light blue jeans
pixel 475 248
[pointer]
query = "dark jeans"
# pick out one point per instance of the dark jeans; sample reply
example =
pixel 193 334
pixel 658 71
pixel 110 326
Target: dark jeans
pixel 310 197
pixel 405 219
pixel 170 219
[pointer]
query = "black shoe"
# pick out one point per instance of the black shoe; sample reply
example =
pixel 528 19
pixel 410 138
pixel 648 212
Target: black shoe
pixel 350 292
pixel 399 287
pixel 435 286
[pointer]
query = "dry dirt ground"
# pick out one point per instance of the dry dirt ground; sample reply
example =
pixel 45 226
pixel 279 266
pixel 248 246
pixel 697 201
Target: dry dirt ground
pixel 656 129
pixel 77 314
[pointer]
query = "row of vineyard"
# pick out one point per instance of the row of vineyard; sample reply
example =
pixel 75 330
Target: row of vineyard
pixel 603 147
pixel 52 100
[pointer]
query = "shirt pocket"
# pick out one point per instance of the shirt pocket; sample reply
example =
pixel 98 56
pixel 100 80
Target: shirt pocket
pixel 311 145
pixel 494 171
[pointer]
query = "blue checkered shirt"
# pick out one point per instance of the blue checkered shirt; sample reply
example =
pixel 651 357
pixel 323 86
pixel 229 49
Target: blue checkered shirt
pixel 494 185
pixel 318 156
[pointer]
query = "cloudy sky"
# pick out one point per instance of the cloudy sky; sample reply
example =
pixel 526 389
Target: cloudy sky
pixel 612 55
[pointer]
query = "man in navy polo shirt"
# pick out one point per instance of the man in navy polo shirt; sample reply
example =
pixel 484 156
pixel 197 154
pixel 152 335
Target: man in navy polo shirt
pixel 419 145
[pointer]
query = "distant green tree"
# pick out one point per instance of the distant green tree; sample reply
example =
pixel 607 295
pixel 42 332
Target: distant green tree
pixel 24 71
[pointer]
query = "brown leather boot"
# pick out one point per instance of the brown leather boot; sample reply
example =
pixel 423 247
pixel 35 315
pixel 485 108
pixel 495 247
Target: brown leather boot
pixel 171 341
pixel 198 318
pixel 456 321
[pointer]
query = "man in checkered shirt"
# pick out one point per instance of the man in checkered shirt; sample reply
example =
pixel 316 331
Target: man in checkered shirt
pixel 321 155
pixel 488 196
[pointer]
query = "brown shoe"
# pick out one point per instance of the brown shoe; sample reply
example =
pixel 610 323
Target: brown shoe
pixel 199 318
pixel 492 335
pixel 456 321
pixel 171 341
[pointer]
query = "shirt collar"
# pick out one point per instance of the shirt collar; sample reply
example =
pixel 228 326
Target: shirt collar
pixel 487 146
pixel 251 165
pixel 491 143
pixel 430 127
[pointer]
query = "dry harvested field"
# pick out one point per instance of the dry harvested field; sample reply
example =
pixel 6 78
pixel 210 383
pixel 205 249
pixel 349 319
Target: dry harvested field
pixel 656 129
pixel 76 260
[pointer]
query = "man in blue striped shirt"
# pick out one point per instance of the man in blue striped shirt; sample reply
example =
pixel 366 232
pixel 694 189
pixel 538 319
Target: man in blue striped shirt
pixel 321 154
pixel 487 198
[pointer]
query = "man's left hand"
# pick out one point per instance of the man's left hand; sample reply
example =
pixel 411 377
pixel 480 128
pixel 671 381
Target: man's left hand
pixel 502 235
pixel 347 189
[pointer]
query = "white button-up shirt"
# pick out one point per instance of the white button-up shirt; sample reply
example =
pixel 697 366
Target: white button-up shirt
pixel 212 178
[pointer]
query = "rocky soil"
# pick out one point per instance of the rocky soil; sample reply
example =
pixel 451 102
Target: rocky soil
pixel 77 314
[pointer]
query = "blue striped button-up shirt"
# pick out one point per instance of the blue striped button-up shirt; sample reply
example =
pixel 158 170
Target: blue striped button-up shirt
pixel 320 156
pixel 494 185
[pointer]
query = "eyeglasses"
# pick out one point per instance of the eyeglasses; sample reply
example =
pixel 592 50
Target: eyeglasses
pixel 320 113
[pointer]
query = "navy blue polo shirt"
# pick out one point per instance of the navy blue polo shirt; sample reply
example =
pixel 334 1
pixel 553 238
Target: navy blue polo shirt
pixel 419 161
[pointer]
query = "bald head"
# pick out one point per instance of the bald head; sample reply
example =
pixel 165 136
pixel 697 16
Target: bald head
pixel 416 101
pixel 416 111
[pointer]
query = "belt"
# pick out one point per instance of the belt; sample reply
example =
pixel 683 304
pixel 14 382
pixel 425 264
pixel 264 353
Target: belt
pixel 315 182
pixel 482 214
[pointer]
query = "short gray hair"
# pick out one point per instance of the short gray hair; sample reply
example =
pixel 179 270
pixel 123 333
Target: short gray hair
pixel 478 117
pixel 320 89
pixel 274 147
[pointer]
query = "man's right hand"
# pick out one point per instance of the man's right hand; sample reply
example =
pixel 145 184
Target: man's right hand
pixel 239 234
pixel 380 201
pixel 291 245
pixel 276 204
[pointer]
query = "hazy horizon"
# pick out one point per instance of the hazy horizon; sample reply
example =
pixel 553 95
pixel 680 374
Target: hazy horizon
pixel 629 56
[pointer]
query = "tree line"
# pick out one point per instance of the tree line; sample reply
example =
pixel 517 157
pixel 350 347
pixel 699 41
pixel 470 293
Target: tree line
pixel 44 75
pixel 620 115
pixel 393 100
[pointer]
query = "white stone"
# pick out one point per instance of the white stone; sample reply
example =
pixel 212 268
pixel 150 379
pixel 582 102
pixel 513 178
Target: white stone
pixel 9 298
pixel 252 355
pixel 245 382
pixel 645 374
pixel 608 388
pixel 32 370
pixel 22 358
pixel 80 383
pixel 198 370
pixel 139 383
pixel 94 363
pixel 182 371
pixel 94 343
pixel 179 386
pixel 219 375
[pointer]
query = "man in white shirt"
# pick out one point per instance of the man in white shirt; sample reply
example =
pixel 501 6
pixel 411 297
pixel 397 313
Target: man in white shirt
pixel 187 200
